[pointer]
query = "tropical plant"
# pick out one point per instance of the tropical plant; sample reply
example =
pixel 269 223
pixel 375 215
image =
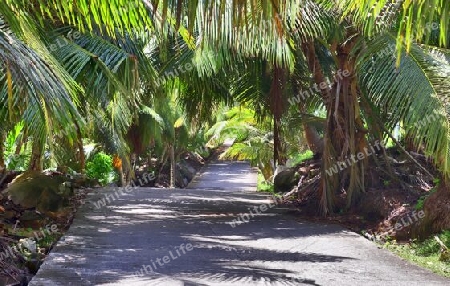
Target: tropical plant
pixel 100 167
pixel 264 53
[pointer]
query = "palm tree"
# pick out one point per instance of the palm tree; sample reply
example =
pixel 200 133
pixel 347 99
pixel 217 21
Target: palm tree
pixel 36 89
pixel 98 69
pixel 298 43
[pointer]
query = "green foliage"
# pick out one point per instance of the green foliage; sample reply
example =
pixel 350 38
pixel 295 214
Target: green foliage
pixel 13 161
pixel 422 106
pixel 421 200
pixel 431 246
pixel 48 240
pixel 301 157
pixel 264 185
pixel 237 122
pixel 425 253
pixel 100 167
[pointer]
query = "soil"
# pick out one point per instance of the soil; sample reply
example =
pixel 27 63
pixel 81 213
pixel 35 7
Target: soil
pixel 400 209
pixel 18 223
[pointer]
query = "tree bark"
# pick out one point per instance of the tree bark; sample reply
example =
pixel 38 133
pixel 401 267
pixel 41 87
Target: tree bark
pixel 82 155
pixel 2 152
pixel 172 166
pixel 36 163
pixel 313 139
pixel 277 108
pixel 344 131
pixel 21 142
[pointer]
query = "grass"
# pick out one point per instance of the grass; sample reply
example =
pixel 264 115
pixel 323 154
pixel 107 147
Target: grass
pixel 425 254
pixel 263 185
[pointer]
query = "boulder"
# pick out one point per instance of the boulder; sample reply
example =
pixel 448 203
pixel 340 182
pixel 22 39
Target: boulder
pixel 81 180
pixel 179 178
pixel 31 219
pixel 40 191
pixel 285 180
pixel 187 171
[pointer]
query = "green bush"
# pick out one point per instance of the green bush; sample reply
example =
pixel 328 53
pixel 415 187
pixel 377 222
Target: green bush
pixel 300 157
pixel 263 185
pixel 430 246
pixel 100 167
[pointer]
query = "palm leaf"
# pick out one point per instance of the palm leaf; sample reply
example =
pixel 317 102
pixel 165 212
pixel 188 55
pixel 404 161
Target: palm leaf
pixel 415 93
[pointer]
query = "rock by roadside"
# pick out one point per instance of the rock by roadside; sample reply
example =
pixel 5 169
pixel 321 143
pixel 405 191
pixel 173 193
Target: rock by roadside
pixel 35 210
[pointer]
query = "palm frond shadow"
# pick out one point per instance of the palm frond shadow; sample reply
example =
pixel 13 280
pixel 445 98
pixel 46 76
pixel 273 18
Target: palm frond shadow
pixel 221 253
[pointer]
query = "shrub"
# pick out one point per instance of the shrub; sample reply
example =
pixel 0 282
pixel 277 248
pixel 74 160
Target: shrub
pixel 100 167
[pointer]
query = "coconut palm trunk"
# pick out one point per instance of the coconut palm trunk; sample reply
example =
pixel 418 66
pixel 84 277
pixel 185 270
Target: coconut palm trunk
pixel 344 132
pixel 313 139
pixel 172 165
pixel 82 155
pixel 2 152
pixel 21 142
pixel 276 105
pixel 36 163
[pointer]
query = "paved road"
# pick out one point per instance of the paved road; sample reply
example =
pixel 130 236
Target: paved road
pixel 185 237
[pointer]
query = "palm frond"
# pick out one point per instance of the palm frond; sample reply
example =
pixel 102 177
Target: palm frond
pixel 415 93
pixel 87 15
pixel 414 21
pixel 43 92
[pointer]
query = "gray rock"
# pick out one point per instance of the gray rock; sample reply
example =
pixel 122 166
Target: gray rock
pixel 285 180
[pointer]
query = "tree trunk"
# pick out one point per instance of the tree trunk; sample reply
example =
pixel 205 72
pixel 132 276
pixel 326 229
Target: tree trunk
pixel 123 181
pixel 277 108
pixel 82 156
pixel 172 166
pixel 344 131
pixel 128 171
pixel 36 163
pixel 276 141
pixel 133 157
pixel 2 152
pixel 345 126
pixel 21 142
pixel 313 139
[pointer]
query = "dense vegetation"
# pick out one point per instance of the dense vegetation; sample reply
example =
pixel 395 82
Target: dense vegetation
pixel 88 83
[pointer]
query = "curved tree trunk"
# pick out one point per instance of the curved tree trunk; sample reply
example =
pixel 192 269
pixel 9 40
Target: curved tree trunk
pixel 313 139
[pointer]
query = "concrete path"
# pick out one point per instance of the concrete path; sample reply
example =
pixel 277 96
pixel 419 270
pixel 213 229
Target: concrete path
pixel 189 237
